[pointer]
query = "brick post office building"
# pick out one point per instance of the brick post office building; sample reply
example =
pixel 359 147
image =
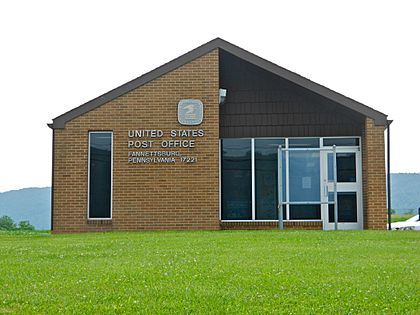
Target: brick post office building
pixel 198 143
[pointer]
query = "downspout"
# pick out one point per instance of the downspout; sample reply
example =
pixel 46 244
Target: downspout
pixel 388 147
pixel 52 177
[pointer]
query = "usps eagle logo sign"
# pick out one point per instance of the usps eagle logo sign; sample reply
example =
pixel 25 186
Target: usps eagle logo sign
pixel 190 112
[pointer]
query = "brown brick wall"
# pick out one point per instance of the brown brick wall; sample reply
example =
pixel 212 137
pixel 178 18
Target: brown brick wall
pixel 374 176
pixel 152 196
pixel 173 196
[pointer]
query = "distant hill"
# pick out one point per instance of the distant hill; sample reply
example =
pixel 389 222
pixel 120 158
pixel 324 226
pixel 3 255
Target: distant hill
pixel 32 204
pixel 405 192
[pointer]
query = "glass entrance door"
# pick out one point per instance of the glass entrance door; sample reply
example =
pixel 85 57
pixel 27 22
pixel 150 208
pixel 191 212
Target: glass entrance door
pixel 349 202
pixel 313 180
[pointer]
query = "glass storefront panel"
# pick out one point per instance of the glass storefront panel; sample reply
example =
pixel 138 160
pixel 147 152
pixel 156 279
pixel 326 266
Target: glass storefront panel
pixel 236 179
pixel 266 178
pixel 249 178
pixel 348 142
pixel 304 176
pixel 305 212
pixel 304 143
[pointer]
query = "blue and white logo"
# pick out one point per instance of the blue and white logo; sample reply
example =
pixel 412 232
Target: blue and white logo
pixel 190 112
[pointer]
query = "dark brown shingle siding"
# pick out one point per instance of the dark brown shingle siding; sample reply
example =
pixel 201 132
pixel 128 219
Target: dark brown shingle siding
pixel 261 104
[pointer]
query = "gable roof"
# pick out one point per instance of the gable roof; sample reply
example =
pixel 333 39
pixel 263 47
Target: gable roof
pixel 378 117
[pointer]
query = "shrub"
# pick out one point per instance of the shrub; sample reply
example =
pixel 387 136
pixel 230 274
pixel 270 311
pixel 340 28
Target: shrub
pixel 6 223
pixel 26 226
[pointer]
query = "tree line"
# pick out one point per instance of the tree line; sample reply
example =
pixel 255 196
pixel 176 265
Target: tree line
pixel 7 224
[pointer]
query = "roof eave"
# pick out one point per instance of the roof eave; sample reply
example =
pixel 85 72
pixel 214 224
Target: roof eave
pixel 60 121
pixel 218 43
pixel 378 117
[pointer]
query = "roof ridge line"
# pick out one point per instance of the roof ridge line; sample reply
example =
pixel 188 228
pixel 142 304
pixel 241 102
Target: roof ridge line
pixel 219 43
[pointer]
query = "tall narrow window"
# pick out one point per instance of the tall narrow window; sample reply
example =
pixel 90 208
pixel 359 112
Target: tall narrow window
pixel 236 179
pixel 100 175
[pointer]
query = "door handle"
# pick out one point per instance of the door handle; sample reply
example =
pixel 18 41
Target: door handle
pixel 325 188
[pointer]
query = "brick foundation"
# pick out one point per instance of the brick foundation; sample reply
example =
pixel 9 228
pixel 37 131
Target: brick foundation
pixel 270 225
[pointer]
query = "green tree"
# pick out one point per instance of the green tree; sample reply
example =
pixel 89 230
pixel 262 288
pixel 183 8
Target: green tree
pixel 26 226
pixel 6 223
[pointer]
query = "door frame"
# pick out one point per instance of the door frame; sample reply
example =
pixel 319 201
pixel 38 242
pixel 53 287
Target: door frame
pixel 327 187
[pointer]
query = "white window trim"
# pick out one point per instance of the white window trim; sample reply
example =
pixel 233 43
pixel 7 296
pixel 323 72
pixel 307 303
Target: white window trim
pixel 88 175
pixel 286 142
pixel 253 178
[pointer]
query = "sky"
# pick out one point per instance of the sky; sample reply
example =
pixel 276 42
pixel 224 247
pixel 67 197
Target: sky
pixel 56 55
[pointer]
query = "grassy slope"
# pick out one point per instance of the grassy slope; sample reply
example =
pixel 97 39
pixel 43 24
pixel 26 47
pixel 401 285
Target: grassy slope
pixel 211 272
pixel 400 217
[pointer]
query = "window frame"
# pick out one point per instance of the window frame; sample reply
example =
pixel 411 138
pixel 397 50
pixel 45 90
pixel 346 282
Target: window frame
pixel 253 205
pixel 88 175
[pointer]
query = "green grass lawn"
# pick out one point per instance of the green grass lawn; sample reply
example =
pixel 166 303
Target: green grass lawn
pixel 401 217
pixel 253 272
